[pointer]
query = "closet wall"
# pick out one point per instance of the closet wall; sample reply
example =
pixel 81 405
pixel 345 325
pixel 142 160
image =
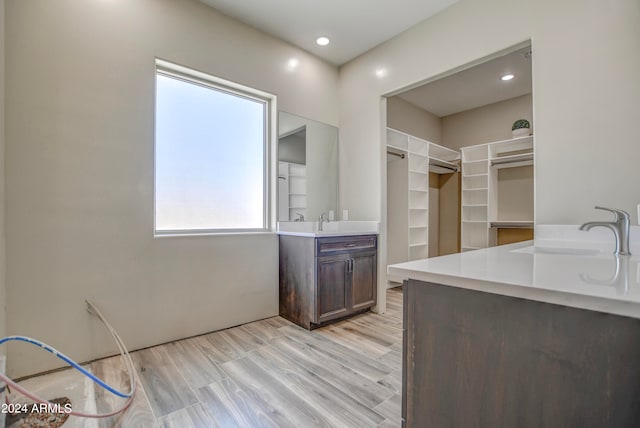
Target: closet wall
pixel 468 128
pixel 397 220
pixel 485 124
pixel 449 209
pixel 514 185
pixel 444 200
pixel 413 120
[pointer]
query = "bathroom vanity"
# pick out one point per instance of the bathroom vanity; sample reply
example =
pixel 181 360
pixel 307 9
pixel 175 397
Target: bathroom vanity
pixel 523 335
pixel 326 275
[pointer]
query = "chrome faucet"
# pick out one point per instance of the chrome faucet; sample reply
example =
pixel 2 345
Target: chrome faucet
pixel 619 227
pixel 300 217
pixel 321 220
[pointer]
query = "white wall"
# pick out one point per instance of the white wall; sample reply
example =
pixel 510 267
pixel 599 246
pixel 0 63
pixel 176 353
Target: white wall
pixel 322 170
pixel 586 98
pixel 79 150
pixel 3 319
pixel 413 120
pixel 586 63
pixel 397 215
pixel 487 123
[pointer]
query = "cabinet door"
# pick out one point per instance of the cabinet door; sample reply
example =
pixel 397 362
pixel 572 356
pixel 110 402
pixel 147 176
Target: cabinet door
pixel 333 279
pixel 363 281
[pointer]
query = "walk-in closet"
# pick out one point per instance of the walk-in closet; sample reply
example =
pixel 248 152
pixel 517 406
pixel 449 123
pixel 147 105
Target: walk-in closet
pixel 459 178
pixel 414 170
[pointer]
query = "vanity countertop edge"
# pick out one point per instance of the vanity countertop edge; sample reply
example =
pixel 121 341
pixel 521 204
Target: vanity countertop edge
pixel 321 234
pixel 578 281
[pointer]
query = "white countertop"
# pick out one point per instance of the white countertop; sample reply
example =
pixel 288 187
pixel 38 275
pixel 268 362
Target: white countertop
pixel 332 228
pixel 564 267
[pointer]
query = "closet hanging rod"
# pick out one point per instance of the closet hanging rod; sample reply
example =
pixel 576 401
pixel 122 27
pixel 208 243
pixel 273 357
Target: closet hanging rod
pixel 511 224
pixel 400 155
pixel 450 167
pixel 442 169
pixel 512 159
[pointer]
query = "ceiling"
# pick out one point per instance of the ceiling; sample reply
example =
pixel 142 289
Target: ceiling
pixel 476 86
pixel 354 26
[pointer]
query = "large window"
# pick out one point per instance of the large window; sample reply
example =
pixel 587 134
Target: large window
pixel 211 154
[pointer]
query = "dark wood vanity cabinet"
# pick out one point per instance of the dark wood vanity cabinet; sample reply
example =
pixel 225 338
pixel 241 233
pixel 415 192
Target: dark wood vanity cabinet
pixel 323 279
pixel 475 359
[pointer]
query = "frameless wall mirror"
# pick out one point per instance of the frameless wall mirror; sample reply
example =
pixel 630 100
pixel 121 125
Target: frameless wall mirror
pixel 307 168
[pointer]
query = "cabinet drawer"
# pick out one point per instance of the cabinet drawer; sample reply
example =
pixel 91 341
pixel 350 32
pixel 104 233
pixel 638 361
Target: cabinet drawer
pixel 341 244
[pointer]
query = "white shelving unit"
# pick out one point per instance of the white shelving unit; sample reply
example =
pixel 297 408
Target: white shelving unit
pixel 292 182
pixel 475 197
pixel 423 157
pixel 480 166
pixel 418 198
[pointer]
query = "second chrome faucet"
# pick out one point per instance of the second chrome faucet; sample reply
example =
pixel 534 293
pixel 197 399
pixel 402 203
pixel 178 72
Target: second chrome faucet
pixel 321 221
pixel 620 228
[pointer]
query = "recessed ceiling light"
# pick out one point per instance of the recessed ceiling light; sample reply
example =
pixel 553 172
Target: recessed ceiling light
pixel 322 41
pixel 506 77
pixel 292 64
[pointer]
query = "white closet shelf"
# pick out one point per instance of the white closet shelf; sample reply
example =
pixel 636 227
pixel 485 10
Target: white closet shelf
pixel 420 244
pixel 418 147
pixel 398 149
pixel 475 221
pixel 474 161
pixel 419 190
pixel 474 205
pixel 475 175
pixel 442 153
pixel 512 144
pixel 510 161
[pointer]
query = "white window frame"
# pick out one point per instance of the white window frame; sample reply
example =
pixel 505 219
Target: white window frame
pixel 189 75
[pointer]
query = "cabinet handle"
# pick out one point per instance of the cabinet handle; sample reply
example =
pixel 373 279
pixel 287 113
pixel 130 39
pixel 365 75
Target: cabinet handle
pixel 353 244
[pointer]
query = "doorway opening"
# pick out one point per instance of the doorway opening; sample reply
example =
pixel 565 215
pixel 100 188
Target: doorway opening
pixel 458 177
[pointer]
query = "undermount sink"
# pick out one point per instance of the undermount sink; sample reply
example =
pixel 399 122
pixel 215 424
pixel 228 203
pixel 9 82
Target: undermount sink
pixel 533 249
pixel 350 226
pixel 329 228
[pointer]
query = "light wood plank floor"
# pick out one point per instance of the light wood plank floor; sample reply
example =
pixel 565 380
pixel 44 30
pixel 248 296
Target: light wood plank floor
pixel 268 373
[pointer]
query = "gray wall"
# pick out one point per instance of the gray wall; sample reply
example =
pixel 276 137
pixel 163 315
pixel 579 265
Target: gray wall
pixel 487 123
pixel 292 148
pixel 413 120
pixel 397 215
pixel 79 174
pixel 585 83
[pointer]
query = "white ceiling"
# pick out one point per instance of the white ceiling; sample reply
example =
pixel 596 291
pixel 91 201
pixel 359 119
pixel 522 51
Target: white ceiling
pixel 354 26
pixel 475 87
